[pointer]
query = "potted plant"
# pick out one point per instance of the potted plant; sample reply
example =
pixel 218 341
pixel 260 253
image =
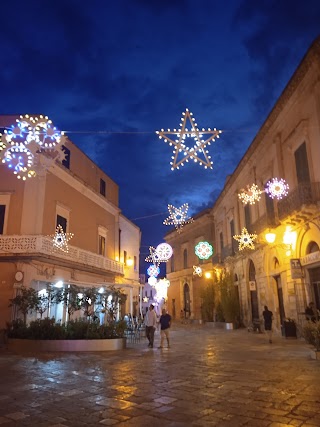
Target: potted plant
pixel 229 300
pixel 311 333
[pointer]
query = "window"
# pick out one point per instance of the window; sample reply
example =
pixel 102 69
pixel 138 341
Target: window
pixel 66 161
pixel 247 217
pixel 233 241
pixel 172 263
pixel 125 257
pixel 302 167
pixel 185 258
pixel 102 187
pixel 221 241
pixel 2 213
pixel 102 245
pixel 135 263
pixel 270 210
pixel 150 293
pixel 62 221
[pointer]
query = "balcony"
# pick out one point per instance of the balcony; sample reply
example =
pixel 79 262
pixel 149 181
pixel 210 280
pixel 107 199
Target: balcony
pixel 35 246
pixel 263 222
pixel 304 194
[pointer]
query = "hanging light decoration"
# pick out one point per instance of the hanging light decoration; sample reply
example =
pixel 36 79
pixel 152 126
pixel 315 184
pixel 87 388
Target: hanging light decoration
pixel 197 270
pixel 165 251
pixel 198 152
pixel 250 195
pixel 153 270
pixel 277 188
pixel 24 143
pixel 245 239
pixel 60 239
pixel 178 217
pixel 203 250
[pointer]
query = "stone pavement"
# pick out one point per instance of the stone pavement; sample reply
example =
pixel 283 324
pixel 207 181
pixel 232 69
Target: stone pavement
pixel 208 378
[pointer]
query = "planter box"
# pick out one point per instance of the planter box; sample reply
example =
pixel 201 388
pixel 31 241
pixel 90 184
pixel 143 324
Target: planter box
pixel 22 346
pixel 315 354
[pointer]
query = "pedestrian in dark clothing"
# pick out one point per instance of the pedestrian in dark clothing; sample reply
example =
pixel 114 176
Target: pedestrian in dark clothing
pixel 267 316
pixel 165 322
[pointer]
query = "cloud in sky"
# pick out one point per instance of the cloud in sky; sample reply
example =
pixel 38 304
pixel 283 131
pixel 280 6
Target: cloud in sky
pixel 112 73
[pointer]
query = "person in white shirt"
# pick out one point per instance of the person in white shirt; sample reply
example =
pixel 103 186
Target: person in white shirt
pixel 150 321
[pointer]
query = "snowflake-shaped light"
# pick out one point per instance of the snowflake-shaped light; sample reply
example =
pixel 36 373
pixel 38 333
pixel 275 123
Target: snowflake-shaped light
pixel 250 195
pixel 31 136
pixel 277 188
pixel 60 239
pixel 161 287
pixel 165 251
pixel 197 152
pixel 178 217
pixel 203 250
pixel 245 239
pixel 152 281
pixel 197 271
pixel 153 270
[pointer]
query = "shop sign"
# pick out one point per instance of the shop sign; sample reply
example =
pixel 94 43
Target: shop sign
pixel 295 265
pixel 310 258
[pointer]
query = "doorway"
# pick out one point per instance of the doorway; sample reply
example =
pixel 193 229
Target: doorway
pixel 314 274
pixel 280 299
pixel 253 293
pixel 186 295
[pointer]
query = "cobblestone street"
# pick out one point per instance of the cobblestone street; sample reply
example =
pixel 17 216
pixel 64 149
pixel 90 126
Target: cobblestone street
pixel 208 377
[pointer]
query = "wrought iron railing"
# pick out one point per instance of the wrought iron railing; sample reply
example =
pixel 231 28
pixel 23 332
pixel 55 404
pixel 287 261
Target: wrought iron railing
pixel 305 194
pixel 263 222
pixel 34 245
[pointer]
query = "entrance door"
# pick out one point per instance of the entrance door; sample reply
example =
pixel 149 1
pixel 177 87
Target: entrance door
pixel 315 283
pixel 280 299
pixel 174 308
pixel 186 294
pixel 253 294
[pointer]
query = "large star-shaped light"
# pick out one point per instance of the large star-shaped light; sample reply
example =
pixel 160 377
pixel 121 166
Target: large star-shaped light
pixel 178 217
pixel 197 152
pixel 245 239
pixel 154 257
pixel 60 239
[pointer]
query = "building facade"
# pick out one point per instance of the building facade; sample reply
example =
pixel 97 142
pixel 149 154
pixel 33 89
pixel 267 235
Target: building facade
pixel 76 194
pixel 283 273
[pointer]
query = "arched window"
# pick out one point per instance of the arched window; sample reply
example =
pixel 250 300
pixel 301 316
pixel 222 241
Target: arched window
pixel 312 247
pixel 276 263
pixel 185 258
pixel 235 277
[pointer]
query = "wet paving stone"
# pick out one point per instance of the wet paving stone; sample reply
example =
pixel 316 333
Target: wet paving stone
pixel 208 378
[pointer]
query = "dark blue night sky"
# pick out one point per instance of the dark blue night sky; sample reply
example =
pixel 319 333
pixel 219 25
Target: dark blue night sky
pixel 111 73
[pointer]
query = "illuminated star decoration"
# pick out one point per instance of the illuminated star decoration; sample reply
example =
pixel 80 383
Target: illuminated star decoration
pixel 25 142
pixel 61 239
pixel 145 299
pixel 250 195
pixel 277 188
pixel 203 250
pixel 154 257
pixel 178 217
pixel 198 149
pixel 197 271
pixel 153 271
pixel 245 239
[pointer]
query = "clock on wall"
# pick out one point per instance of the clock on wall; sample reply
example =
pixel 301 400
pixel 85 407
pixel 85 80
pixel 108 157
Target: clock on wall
pixel 18 276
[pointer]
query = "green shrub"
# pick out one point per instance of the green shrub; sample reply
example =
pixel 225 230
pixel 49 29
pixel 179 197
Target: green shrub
pixel 48 329
pixel 311 333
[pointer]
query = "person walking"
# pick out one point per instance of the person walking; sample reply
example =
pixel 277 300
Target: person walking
pixel 165 322
pixel 267 316
pixel 150 321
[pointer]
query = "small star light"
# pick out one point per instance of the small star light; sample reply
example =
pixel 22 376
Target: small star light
pixel 145 299
pixel 198 149
pixel 178 217
pixel 250 195
pixel 61 239
pixel 203 250
pixel 245 239
pixel 153 271
pixel 197 271
pixel 277 188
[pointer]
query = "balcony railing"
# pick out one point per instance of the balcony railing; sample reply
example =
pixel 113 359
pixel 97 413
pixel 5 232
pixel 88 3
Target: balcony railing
pixel 304 194
pixel 35 245
pixel 263 222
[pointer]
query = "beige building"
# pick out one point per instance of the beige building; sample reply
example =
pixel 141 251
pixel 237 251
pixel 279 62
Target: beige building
pixel 80 197
pixel 283 274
